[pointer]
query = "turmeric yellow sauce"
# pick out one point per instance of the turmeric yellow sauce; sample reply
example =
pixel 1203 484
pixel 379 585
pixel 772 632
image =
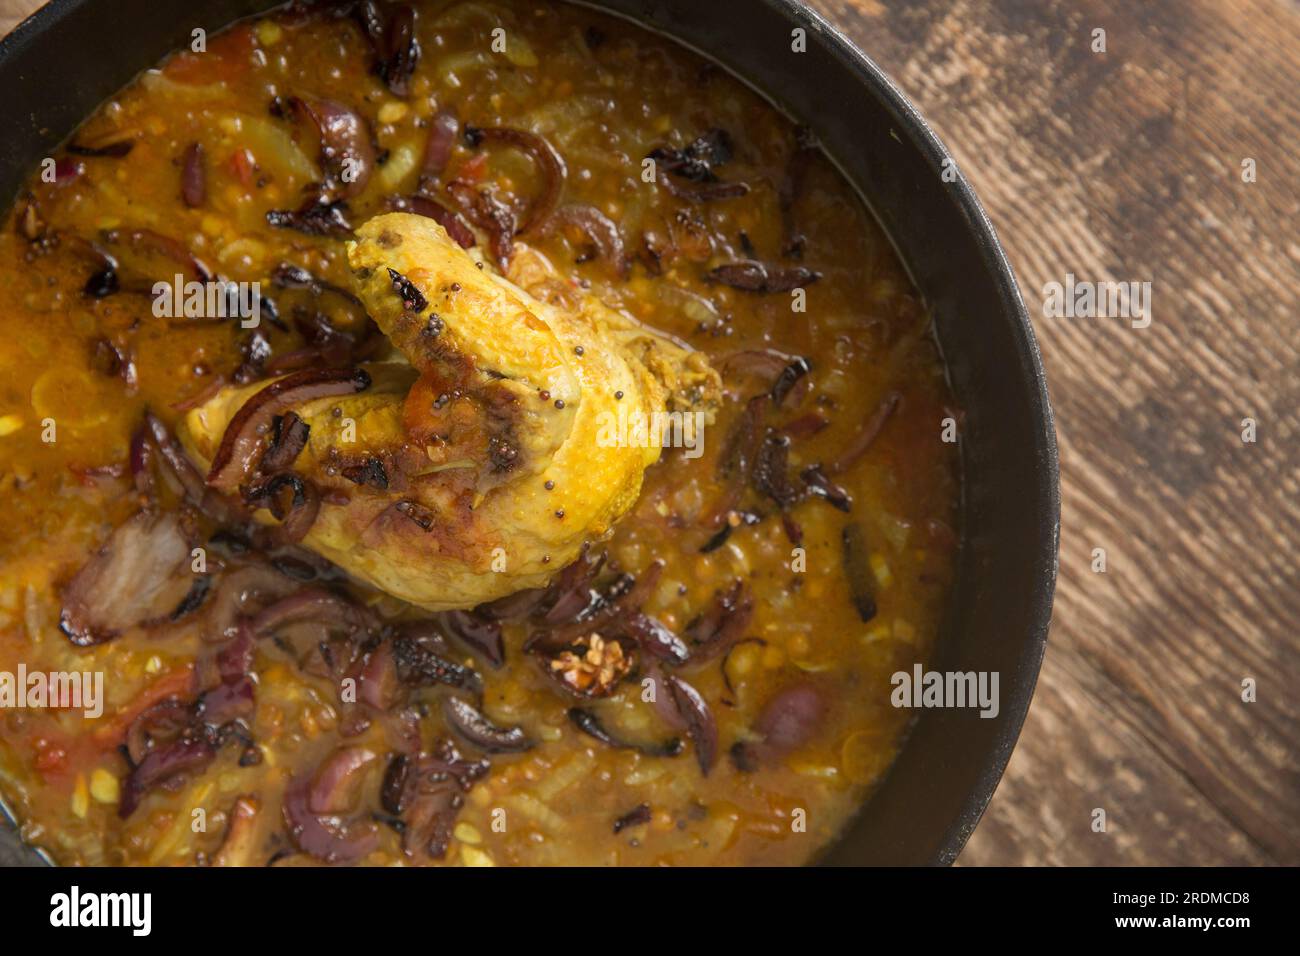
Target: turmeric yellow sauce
pixel 821 581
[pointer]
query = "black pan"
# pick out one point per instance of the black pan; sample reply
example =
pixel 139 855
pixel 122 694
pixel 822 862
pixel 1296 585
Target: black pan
pixel 60 64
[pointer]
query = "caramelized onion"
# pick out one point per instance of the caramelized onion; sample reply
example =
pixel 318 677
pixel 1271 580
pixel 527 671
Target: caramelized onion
pixel 864 438
pixel 750 275
pixel 591 725
pixel 443 129
pixel 478 632
pixel 857 568
pixel 700 725
pixel 449 219
pixel 327 839
pixel 162 765
pixel 480 732
pixel 599 229
pixel 194 185
pixel 244 433
pixel 549 163
pixel 347 154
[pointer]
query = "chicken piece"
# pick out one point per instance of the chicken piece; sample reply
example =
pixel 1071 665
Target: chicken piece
pixel 479 462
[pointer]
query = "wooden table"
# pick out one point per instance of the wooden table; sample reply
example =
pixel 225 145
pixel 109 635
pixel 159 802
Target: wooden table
pixel 1127 165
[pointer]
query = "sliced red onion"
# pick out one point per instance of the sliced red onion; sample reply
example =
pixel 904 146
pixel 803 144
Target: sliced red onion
pixel 327 839
pixel 245 431
pixel 443 129
pixel 237 593
pixel 857 569
pixel 226 702
pixel 750 275
pixel 194 184
pixel 337 784
pixel 289 439
pixel 377 681
pixel 312 605
pixel 347 152
pixel 590 724
pixel 700 725
pixel 161 765
pixel 653 637
pixel 157 724
pixel 303 508
pixel 787 721
pixel 480 634
pixel 599 229
pixel 865 438
pixel 155 242
pixel 480 732
pixel 452 221
pixel 549 163
pixel 703 192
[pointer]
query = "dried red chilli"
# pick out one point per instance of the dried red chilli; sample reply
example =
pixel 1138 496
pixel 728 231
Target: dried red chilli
pixel 244 433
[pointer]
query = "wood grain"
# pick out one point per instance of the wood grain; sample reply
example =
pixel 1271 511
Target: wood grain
pixel 1127 165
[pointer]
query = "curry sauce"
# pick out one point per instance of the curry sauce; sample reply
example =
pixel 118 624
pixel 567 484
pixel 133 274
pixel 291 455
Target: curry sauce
pixel 708 683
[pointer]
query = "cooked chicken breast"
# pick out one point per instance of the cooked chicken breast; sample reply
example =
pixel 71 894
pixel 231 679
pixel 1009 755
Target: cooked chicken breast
pixel 480 458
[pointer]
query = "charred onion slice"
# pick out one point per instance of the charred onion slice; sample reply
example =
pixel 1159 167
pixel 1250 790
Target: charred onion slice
pixel 239 445
pixel 289 438
pixel 220 508
pixel 750 275
pixel 138 577
pixel 438 146
pixel 161 765
pixel 480 732
pixel 857 568
pixel 149 241
pixel 303 508
pixel 337 784
pixel 194 184
pixel 549 162
pixel 347 153
pixel 867 436
pixel 598 228
pixel 590 725
pixel 481 634
pixel 700 725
